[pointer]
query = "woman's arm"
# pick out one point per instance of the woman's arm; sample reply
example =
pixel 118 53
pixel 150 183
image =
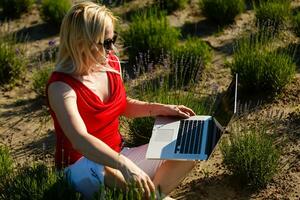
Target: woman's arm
pixel 136 108
pixel 62 100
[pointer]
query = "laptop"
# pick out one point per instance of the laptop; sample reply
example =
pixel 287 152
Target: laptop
pixel 194 138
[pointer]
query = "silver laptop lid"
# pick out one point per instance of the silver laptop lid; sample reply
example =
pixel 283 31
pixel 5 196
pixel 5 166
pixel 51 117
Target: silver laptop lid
pixel 226 105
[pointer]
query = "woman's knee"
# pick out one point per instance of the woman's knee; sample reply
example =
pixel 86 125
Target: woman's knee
pixel 190 164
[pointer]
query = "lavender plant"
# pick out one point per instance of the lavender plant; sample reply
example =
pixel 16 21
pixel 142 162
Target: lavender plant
pixel 251 156
pixel 274 14
pixel 38 182
pixel 149 36
pixel 12 60
pixel 187 62
pixel 53 11
pixel 261 67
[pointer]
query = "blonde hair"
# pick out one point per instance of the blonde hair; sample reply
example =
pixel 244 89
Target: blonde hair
pixel 83 27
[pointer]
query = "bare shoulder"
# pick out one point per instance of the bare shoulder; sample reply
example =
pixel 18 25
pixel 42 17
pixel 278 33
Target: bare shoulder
pixel 61 96
pixel 60 89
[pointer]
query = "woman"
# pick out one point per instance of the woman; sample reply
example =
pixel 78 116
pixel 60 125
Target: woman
pixel 86 96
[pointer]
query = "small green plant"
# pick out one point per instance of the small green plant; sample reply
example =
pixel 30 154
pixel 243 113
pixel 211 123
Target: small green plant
pixel 132 193
pixel 6 167
pixel 53 11
pixel 273 14
pixel 222 11
pixel 188 61
pixel 173 5
pixel 149 37
pixel 260 67
pixel 12 61
pixel 14 8
pixel 38 182
pixel 251 156
pixel 40 78
pixel 296 23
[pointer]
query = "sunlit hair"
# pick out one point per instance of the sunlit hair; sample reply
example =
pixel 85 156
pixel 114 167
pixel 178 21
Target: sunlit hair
pixel 83 27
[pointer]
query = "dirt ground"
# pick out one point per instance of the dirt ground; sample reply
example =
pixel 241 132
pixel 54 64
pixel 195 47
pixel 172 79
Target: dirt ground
pixel 27 129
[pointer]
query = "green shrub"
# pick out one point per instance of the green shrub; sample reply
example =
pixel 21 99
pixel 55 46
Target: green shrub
pixel 40 78
pixel 12 61
pixel 296 23
pixel 273 14
pixel 173 5
pixel 6 167
pixel 14 8
pixel 188 61
pixel 53 11
pixel 30 183
pixel 37 183
pixel 251 157
pixel 261 69
pixel 258 3
pixel 148 37
pixel 222 11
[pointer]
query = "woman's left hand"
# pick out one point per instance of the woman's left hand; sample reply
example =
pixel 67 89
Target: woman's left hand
pixel 176 110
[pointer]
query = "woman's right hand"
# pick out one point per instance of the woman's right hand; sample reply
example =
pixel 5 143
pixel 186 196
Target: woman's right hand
pixel 134 175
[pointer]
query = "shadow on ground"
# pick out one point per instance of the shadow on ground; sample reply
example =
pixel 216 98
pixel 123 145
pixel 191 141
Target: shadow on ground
pixel 202 28
pixel 214 187
pixel 26 108
pixel 36 32
pixel 42 148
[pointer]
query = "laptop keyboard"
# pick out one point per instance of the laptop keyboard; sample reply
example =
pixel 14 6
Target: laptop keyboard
pixel 189 137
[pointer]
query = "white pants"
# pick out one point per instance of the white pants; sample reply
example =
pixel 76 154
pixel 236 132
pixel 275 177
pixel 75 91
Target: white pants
pixel 86 176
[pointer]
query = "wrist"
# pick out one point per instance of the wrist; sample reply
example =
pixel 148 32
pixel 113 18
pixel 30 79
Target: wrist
pixel 121 162
pixel 155 109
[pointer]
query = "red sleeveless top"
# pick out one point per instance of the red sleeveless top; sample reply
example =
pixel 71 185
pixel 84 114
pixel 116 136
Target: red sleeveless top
pixel 101 119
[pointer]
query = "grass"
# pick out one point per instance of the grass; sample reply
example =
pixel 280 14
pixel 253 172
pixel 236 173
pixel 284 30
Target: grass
pixel 251 157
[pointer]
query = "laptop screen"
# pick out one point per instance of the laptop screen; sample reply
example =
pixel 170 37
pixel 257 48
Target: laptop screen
pixel 226 104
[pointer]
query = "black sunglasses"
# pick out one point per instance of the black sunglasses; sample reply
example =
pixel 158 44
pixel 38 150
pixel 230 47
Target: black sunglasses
pixel 107 44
